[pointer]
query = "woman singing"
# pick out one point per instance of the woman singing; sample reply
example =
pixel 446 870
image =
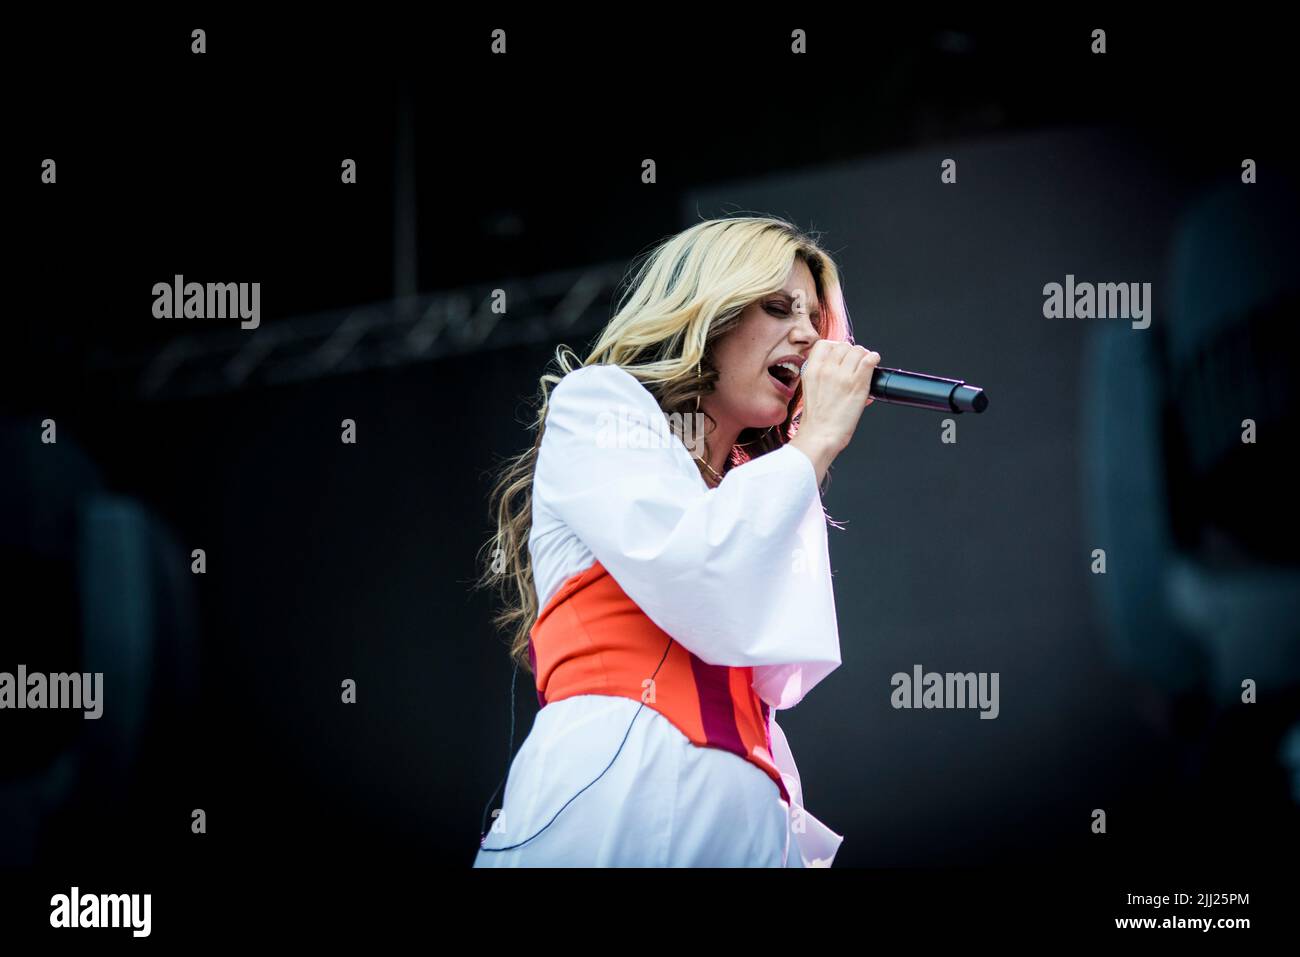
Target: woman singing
pixel 663 551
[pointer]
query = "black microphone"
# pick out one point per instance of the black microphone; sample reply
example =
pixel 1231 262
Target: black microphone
pixel 925 391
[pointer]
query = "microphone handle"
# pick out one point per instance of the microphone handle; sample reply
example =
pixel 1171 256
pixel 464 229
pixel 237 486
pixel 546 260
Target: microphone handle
pixel 926 391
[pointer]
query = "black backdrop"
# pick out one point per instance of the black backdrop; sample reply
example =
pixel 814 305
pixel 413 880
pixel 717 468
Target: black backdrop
pixel 328 561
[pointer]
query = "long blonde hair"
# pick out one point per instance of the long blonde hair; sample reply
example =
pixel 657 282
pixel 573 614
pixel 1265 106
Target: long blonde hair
pixel 682 296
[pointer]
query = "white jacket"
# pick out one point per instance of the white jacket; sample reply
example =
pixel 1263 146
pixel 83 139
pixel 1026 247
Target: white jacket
pixel 738 575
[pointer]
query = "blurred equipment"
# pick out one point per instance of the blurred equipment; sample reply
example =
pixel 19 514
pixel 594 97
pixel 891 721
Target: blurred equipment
pixel 94 584
pixel 1202 588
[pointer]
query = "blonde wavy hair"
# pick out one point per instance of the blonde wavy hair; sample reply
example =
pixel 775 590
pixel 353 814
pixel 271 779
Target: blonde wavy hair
pixel 681 297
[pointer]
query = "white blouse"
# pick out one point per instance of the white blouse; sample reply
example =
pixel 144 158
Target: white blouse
pixel 739 575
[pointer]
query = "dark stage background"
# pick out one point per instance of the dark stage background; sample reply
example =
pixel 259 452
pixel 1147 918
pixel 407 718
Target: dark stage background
pixel 328 561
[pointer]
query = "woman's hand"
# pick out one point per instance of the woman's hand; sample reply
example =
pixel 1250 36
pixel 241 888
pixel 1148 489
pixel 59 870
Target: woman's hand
pixel 836 390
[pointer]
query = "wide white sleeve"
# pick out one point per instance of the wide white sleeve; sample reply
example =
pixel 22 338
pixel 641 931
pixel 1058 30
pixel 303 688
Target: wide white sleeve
pixel 739 575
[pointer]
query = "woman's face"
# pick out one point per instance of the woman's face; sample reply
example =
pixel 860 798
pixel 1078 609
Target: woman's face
pixel 779 325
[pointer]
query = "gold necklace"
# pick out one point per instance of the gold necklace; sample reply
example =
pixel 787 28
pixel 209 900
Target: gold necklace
pixel 710 468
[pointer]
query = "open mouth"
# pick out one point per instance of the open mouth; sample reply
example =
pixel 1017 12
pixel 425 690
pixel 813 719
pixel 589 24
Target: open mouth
pixel 784 375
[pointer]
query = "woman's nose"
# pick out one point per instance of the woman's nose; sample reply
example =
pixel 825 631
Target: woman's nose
pixel 804 330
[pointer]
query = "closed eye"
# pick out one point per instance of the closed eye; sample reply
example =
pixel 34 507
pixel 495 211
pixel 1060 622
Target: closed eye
pixel 778 310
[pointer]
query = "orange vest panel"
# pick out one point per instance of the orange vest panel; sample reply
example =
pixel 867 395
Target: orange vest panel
pixel 591 638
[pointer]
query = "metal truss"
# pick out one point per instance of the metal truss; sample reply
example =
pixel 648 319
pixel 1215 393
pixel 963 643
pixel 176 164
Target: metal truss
pixel 545 308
